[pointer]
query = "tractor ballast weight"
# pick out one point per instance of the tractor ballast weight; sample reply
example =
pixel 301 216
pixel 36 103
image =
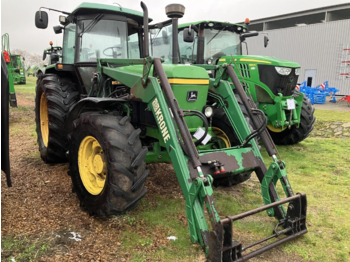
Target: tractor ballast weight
pixel 270 81
pixel 137 110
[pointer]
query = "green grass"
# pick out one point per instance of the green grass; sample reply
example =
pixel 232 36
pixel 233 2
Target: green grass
pixel 320 168
pixel 332 116
pixel 28 88
pixel 161 220
pixel 20 248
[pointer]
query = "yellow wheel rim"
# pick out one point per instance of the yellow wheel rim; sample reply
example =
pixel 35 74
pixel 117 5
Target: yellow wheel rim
pixel 221 135
pixel 92 165
pixel 274 129
pixel 44 119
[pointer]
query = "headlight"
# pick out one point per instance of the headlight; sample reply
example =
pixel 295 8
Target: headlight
pixel 208 111
pixel 283 70
pixel 297 71
pixel 209 61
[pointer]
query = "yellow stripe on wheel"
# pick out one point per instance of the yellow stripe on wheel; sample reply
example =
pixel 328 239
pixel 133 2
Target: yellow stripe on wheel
pixel 44 120
pixel 274 129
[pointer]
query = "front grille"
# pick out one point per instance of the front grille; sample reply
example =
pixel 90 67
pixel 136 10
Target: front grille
pixel 244 70
pixel 276 82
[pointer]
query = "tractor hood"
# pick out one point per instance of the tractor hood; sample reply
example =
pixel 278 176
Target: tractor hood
pixel 260 60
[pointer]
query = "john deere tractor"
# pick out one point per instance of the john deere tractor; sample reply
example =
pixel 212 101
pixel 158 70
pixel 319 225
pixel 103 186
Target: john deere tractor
pixel 269 81
pixel 111 108
pixel 54 54
pixel 19 71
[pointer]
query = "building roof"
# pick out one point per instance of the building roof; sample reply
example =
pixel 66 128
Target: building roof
pixel 302 18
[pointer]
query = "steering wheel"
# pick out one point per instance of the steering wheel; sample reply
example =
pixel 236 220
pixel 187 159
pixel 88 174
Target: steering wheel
pixel 114 51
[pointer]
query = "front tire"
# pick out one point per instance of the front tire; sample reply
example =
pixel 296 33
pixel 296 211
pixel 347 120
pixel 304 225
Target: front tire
pixel 54 97
pixel 107 163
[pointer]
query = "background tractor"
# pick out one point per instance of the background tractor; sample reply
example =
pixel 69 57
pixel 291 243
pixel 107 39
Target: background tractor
pixel 269 81
pixel 6 53
pixel 53 54
pixel 32 70
pixel 110 108
pixel 19 71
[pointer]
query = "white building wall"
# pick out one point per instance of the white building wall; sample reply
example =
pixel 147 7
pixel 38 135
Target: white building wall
pixel 317 46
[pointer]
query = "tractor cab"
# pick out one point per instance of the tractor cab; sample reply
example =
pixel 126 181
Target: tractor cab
pixel 212 39
pixel 94 32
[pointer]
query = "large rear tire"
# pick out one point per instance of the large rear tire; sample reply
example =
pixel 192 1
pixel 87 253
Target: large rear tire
pixel 54 97
pixel 296 134
pixel 107 163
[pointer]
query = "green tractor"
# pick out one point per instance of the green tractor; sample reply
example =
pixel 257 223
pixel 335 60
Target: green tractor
pixel 269 81
pixel 110 108
pixel 19 72
pixel 32 70
pixel 54 53
pixel 6 53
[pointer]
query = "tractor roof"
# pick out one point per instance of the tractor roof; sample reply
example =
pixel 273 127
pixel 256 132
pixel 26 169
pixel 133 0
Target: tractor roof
pixel 84 8
pixel 216 25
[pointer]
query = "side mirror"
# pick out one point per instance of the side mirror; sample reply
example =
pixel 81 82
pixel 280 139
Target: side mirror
pixel 44 55
pixel 57 29
pixel 266 41
pixel 244 36
pixel 188 35
pixel 41 19
pixel 23 58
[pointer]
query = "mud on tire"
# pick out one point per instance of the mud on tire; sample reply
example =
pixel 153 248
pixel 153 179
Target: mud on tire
pixel 54 97
pixel 124 169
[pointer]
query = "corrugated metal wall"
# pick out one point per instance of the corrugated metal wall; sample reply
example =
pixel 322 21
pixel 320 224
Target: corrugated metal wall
pixel 318 46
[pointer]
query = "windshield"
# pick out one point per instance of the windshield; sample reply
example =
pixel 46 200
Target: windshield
pixel 161 43
pixel 220 43
pixel 103 39
pixel 217 43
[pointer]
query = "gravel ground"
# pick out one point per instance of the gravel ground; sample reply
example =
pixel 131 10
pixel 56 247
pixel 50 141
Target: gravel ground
pixel 338 106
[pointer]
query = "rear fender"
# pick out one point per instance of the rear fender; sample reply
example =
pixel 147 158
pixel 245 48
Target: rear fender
pixel 93 104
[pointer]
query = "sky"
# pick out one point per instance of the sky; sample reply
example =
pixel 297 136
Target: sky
pixel 17 16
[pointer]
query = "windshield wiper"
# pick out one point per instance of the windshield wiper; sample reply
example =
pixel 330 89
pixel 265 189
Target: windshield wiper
pixel 91 24
pixel 216 34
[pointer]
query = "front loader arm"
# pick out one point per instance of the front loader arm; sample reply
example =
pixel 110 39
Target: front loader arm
pixel 150 85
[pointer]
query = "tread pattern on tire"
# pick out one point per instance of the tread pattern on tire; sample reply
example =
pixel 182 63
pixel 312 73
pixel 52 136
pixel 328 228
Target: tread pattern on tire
pixel 60 94
pixel 126 165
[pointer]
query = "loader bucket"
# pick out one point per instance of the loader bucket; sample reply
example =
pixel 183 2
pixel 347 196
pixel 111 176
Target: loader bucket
pixel 224 246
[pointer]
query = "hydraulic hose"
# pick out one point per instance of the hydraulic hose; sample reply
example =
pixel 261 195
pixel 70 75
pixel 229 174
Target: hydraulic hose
pixel 205 122
pixel 258 131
